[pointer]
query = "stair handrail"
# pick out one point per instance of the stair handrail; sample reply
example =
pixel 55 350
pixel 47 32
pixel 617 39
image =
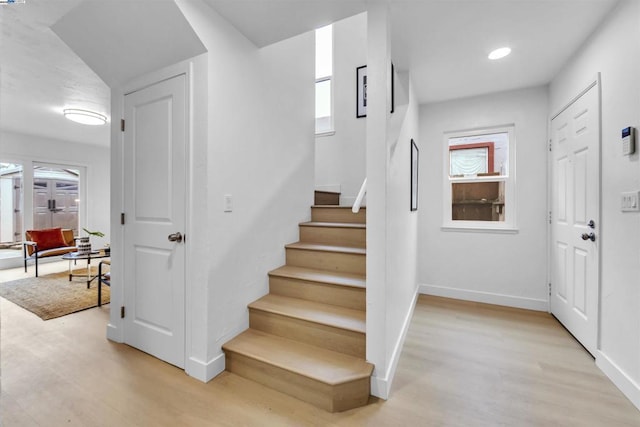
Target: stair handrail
pixel 361 193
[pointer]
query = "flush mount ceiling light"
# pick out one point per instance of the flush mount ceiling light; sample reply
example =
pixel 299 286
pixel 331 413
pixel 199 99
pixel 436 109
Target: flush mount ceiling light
pixel 85 117
pixel 500 53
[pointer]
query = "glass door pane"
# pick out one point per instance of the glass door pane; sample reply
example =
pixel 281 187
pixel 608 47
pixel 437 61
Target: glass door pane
pixel 55 197
pixel 11 208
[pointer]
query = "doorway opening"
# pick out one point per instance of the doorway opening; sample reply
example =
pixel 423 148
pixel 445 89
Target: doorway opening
pixel 56 197
pixel 11 209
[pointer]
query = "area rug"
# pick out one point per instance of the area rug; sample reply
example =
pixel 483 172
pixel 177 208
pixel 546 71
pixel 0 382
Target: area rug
pixel 53 295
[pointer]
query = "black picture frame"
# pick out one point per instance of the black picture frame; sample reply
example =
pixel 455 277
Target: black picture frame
pixel 361 91
pixel 414 175
pixel 393 88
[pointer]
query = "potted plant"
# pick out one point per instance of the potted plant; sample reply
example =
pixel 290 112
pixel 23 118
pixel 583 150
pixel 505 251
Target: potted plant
pixel 84 245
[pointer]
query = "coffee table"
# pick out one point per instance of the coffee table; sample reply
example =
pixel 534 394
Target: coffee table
pixel 75 256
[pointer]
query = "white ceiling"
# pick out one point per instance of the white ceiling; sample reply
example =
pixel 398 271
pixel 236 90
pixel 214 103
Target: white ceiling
pixel 40 76
pixel 444 42
pixel 124 40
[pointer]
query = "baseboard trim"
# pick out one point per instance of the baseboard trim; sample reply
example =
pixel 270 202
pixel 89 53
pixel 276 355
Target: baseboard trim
pixel 381 386
pixel 620 379
pixel 205 371
pixel 486 297
pixel 114 333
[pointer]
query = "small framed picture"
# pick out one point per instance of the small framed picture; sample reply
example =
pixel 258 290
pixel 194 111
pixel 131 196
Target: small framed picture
pixel 361 91
pixel 414 176
pixel 393 88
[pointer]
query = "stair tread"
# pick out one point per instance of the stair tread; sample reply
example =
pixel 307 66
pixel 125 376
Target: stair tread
pixel 333 224
pixel 323 365
pixel 324 276
pixel 316 312
pixel 327 248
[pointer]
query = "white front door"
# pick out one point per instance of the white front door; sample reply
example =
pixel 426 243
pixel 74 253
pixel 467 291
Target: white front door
pixel 575 219
pixel 154 204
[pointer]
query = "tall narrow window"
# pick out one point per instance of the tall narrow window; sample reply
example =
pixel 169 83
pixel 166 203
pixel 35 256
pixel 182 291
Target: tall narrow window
pixel 324 72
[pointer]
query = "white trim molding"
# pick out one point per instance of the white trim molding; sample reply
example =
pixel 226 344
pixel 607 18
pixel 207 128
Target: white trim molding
pixel 205 371
pixel 486 297
pixel 626 384
pixel 381 386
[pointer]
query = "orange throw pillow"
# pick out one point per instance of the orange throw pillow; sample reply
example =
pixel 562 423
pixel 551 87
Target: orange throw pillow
pixel 48 238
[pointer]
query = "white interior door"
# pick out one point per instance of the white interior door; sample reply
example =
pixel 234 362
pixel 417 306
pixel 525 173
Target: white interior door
pixel 155 193
pixel 575 219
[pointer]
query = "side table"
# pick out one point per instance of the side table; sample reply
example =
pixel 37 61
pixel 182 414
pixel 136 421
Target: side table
pixel 75 256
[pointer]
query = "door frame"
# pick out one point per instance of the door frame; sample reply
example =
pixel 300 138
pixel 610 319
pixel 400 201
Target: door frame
pixel 115 327
pixel 593 82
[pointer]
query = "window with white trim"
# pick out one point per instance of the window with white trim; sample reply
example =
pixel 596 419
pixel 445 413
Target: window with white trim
pixel 479 185
pixel 324 73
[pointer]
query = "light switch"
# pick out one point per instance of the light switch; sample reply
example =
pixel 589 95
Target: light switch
pixel 228 203
pixel 629 201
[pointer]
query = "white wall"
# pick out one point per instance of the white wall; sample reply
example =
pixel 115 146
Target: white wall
pixel 614 51
pixel 261 151
pixel 498 268
pixel 340 158
pixel 27 149
pixel 391 226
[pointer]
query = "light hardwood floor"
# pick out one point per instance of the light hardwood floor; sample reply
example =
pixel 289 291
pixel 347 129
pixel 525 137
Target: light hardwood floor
pixel 463 364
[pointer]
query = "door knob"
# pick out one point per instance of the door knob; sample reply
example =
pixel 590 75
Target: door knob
pixel 589 236
pixel 175 237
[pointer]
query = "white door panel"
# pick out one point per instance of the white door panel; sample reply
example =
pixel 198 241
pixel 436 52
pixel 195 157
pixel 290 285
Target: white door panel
pixel 155 180
pixel 575 182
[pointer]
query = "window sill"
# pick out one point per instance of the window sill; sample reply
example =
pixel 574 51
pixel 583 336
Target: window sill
pixel 326 133
pixel 479 229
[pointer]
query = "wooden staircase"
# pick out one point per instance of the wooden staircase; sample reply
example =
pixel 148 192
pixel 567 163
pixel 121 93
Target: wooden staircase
pixel 306 338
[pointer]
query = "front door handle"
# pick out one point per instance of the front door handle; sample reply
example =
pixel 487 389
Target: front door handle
pixel 175 237
pixel 589 236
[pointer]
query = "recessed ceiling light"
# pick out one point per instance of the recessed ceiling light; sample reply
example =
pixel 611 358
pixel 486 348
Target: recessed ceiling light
pixel 500 53
pixel 85 117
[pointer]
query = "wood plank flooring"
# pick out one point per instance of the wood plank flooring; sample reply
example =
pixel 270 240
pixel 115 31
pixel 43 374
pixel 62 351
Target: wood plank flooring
pixel 463 364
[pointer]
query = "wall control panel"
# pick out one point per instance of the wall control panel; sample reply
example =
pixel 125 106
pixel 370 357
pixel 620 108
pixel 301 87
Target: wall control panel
pixel 628 141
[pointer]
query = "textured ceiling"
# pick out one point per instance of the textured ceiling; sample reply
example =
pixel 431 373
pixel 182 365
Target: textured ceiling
pixel 40 76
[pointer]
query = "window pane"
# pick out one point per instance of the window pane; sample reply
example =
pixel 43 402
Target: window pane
pixel 323 107
pixel 324 51
pixel 470 161
pixel 477 201
pixel 11 206
pixel 465 154
pixel 323 99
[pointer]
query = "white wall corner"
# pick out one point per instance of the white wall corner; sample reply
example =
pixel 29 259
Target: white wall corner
pixel 381 386
pixel 486 297
pixel 626 384
pixel 205 371
pixel 347 201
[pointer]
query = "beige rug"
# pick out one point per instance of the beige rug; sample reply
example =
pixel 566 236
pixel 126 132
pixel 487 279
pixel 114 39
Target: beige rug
pixel 53 295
